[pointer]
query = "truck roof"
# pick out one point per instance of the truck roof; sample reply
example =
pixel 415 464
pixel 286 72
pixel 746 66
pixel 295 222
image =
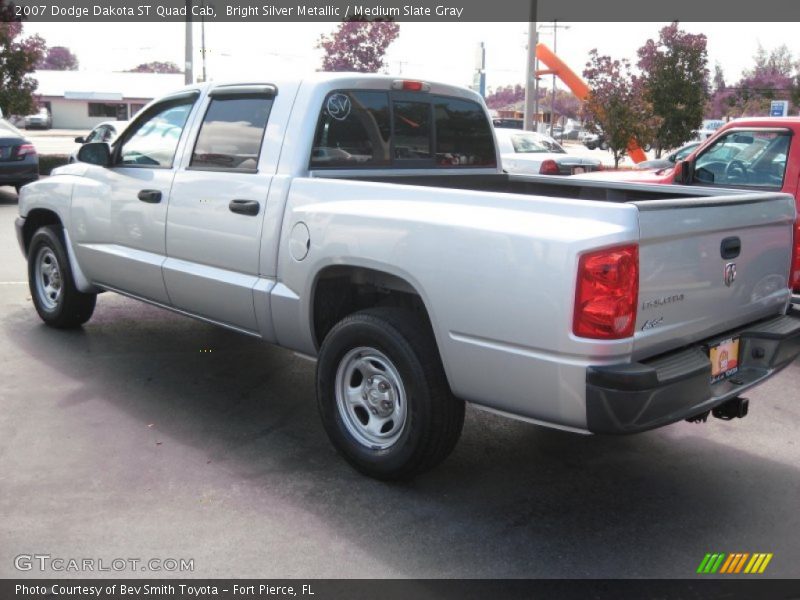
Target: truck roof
pixel 763 122
pixel 334 80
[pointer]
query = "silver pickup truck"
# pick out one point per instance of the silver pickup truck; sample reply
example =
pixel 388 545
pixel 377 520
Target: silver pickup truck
pixel 366 221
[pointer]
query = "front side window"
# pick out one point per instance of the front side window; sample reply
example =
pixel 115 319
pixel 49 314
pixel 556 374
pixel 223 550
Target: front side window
pixel 154 141
pixel 352 130
pixel 231 134
pixel 745 158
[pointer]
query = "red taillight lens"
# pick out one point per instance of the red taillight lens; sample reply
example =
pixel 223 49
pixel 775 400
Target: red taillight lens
pixel 549 167
pixel 607 293
pixel 794 273
pixel 25 150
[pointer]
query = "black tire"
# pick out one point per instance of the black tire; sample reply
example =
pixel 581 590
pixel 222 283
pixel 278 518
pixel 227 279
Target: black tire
pixel 57 300
pixel 434 417
pixel 603 145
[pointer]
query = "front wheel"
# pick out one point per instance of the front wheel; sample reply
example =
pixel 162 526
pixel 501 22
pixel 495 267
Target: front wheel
pixel 383 395
pixel 59 303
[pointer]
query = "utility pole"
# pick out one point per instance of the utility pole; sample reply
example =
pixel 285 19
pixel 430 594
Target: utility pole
pixel 187 69
pixel 555 27
pixel 531 81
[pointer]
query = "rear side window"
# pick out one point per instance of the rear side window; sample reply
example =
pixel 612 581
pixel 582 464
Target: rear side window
pixel 359 129
pixel 231 134
pixel 463 135
pixel 352 131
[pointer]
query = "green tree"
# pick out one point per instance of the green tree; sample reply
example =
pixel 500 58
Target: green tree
pixel 18 59
pixel 675 70
pixel 617 105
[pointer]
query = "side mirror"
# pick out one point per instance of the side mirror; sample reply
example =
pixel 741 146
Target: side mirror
pixel 682 173
pixel 95 153
pixel 80 140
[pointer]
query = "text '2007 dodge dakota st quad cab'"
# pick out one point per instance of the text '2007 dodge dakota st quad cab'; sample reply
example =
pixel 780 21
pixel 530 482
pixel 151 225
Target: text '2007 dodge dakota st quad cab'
pixel 365 221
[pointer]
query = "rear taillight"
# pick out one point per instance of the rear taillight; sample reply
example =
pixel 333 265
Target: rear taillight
pixel 549 167
pixel 25 150
pixel 794 273
pixel 607 293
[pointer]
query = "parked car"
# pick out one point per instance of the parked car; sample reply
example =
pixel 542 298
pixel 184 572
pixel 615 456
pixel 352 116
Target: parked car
pixel 419 284
pixel 535 153
pixel 595 140
pixel 19 162
pixel 708 128
pixel 107 131
pixel 39 120
pixel 669 160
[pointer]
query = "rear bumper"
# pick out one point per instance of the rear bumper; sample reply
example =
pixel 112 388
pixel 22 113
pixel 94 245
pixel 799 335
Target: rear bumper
pixel 635 397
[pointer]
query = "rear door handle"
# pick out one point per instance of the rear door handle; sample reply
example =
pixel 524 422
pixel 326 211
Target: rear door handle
pixel 245 207
pixel 150 196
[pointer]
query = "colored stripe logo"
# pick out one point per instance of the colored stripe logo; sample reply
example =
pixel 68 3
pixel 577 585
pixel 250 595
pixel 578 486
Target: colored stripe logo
pixel 735 563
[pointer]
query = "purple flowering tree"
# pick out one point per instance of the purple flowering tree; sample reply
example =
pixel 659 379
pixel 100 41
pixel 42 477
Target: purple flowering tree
pixel 358 45
pixel 617 104
pixel 58 58
pixel 156 67
pixel 18 58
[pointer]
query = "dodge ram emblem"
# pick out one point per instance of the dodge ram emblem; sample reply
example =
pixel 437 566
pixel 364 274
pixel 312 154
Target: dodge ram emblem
pixel 730 274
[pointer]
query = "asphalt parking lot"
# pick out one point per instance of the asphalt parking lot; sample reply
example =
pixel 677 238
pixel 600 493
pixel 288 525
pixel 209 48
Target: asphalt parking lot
pixel 150 435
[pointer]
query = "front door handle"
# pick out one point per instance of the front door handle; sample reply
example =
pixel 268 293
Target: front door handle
pixel 244 207
pixel 150 196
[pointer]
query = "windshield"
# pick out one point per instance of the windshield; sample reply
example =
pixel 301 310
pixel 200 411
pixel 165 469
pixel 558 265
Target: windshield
pixel 529 144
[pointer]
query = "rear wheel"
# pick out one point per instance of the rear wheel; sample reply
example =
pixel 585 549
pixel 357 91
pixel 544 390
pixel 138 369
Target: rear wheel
pixel 59 303
pixel 383 395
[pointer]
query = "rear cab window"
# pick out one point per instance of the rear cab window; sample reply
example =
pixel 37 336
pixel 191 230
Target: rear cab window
pixel 373 129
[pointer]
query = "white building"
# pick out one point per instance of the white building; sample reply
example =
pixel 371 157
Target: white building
pixel 82 99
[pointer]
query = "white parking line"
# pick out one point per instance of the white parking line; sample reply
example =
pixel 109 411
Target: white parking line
pixel 13 283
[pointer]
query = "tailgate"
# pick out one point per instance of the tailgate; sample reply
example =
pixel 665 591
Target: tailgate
pixel 708 265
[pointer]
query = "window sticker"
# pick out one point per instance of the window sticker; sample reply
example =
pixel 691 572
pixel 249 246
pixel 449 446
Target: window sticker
pixel 338 106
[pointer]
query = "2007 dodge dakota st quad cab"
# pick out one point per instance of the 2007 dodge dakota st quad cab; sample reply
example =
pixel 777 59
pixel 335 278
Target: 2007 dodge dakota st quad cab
pixel 365 221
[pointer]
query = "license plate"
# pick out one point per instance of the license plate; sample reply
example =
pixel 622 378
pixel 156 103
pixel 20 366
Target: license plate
pixel 578 170
pixel 724 359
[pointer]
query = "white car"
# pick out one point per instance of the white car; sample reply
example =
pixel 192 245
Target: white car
pixel 538 154
pixel 39 120
pixel 107 131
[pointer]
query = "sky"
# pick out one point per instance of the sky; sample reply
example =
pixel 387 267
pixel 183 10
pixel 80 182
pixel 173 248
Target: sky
pixel 435 51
